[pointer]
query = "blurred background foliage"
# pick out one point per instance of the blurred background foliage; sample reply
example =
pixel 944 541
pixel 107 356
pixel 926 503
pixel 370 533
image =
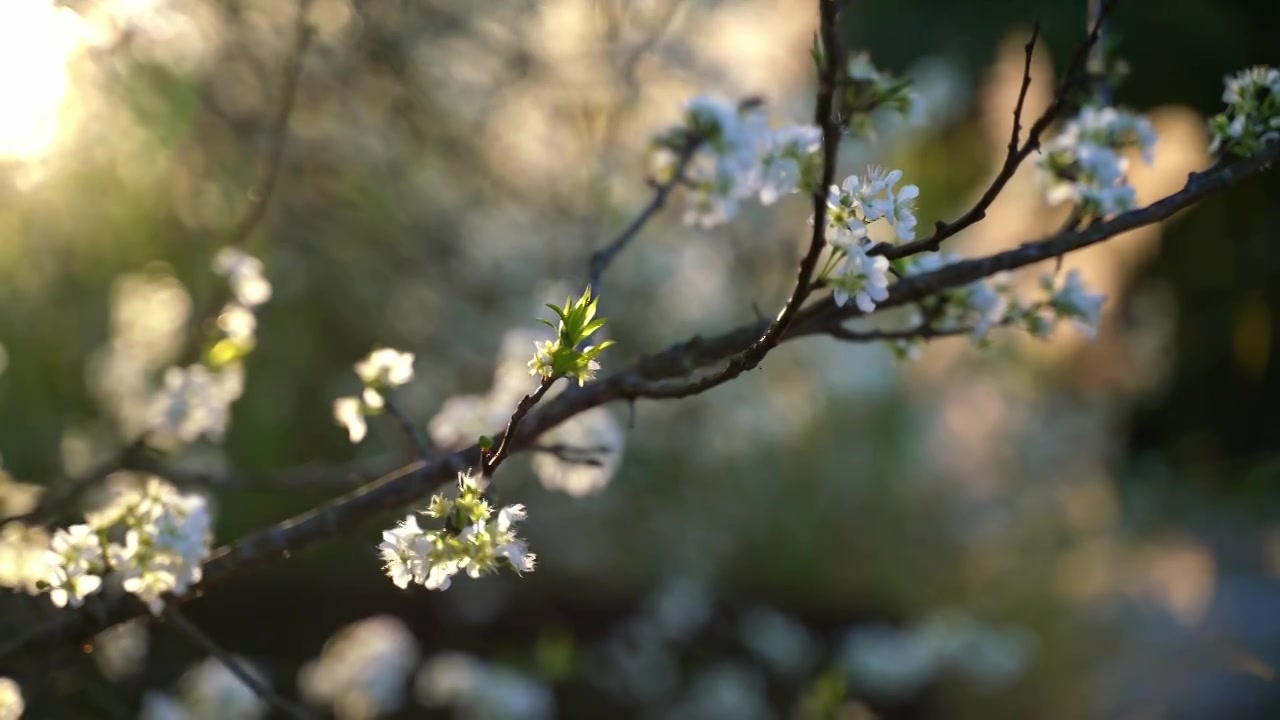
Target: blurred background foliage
pixel 1059 530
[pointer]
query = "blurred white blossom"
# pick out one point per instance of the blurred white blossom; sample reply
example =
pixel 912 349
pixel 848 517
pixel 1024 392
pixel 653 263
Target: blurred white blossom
pixel 121 651
pixel 245 273
pixel 737 156
pixel 480 691
pixel 725 690
pixel 363 670
pixel 208 691
pixel 782 643
pixel 892 662
pixel 195 401
pixel 379 371
pixel 1084 165
pixel 11 704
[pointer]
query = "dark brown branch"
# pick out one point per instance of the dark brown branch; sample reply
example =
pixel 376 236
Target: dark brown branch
pixel 233 664
pixel 1016 153
pixel 492 460
pixel 920 332
pixel 414 481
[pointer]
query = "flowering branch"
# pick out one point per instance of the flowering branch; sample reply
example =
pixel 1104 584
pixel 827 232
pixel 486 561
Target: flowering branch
pixel 479 546
pixel 1016 153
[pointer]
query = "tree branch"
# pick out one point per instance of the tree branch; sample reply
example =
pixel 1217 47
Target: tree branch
pixel 1016 154
pixel 490 462
pixel 233 664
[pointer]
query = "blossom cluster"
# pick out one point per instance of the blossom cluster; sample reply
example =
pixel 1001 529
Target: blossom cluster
pixel 851 207
pixel 473 540
pixel 196 400
pixel 381 370
pixel 1084 164
pixel 978 307
pixel 1252 117
pixel 735 156
pixel 154 539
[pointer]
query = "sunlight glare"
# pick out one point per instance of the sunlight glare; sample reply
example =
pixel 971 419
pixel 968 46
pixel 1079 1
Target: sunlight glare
pixel 37 41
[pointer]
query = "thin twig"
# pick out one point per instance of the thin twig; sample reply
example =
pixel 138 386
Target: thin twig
pixel 1097 63
pixel 415 436
pixel 233 664
pixel 1016 153
pixel 602 258
pixel 492 460
pixel 573 454
pixel 269 173
pixel 260 194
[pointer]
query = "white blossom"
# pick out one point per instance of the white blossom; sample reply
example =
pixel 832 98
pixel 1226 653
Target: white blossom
pixel 75 561
pixel 483 545
pixel 11 704
pixel 1073 300
pixel 863 277
pixel 386 367
pixel 738 157
pixel 1084 164
pixel 477 689
pixel 349 413
pixel 248 283
pixel 196 401
pixel 209 691
pixel 238 322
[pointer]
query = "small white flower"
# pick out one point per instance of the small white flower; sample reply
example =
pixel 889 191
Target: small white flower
pixel 1075 301
pixel 863 277
pixel 386 366
pixel 244 272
